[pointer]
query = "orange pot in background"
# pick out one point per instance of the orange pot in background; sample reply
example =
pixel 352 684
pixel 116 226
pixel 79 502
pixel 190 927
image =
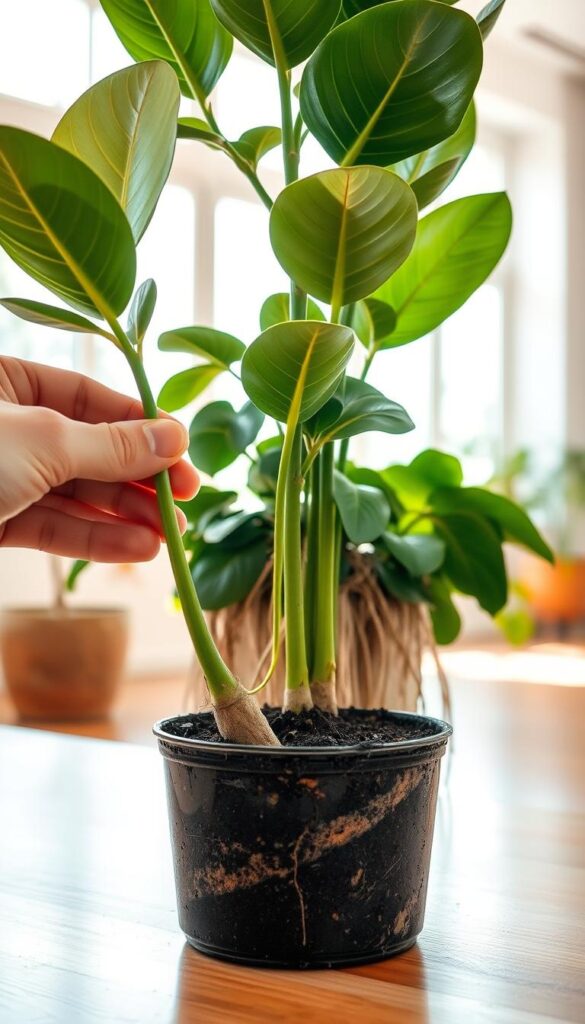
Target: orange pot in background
pixel 63 664
pixel 556 593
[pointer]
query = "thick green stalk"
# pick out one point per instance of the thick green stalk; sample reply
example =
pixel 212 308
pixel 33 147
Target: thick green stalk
pixel 297 674
pixel 312 561
pixel 325 632
pixel 220 680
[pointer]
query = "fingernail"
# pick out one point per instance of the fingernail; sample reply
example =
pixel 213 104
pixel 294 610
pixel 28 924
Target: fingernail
pixel 166 438
pixel 181 519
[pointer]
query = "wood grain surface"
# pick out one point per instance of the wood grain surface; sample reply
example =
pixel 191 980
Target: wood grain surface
pixel 87 918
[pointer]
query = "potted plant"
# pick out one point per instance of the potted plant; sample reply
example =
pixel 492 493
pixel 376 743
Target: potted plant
pixel 301 836
pixel 62 663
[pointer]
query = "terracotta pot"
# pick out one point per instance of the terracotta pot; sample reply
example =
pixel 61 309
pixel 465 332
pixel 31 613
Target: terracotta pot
pixel 556 592
pixel 63 664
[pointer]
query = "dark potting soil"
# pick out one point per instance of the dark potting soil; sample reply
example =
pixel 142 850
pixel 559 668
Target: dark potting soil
pixel 315 728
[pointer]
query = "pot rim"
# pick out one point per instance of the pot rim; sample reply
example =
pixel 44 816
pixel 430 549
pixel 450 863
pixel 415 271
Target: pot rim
pixel 437 739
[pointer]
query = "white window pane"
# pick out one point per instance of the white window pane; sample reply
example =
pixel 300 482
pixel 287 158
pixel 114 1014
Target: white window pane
pixel 246 270
pixel 471 382
pixel 247 96
pixel 107 53
pixel 404 375
pixel 166 253
pixel 30 341
pixel 44 50
pixel 483 171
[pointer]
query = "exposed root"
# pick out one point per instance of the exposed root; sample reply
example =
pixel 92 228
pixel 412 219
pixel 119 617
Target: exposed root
pixel 323 695
pixel 240 720
pixel 299 699
pixel 380 644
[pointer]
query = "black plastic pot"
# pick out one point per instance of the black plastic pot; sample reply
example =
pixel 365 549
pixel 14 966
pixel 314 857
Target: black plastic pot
pixel 303 856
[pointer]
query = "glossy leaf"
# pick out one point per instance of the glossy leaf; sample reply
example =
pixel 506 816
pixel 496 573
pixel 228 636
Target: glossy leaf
pixel 300 354
pixel 352 7
pixel 398 583
pixel 392 81
pixel 224 576
pixel 215 347
pixel 141 311
pixel 207 503
pixel 363 409
pixel 124 128
pixel 488 16
pixel 218 434
pixel 413 484
pixel 52 316
pixel 473 559
pixel 510 517
pixel 278 30
pixel 264 472
pixel 374 478
pixel 257 142
pixel 225 527
pixel 456 249
pixel 276 310
pixel 430 172
pixel 182 388
pixel 363 510
pixel 196 129
pixel 419 553
pixel 444 615
pixel 45 195
pixel 185 34
pixel 373 321
pixel 339 231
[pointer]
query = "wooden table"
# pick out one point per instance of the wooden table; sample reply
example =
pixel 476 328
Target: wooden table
pixel 87 919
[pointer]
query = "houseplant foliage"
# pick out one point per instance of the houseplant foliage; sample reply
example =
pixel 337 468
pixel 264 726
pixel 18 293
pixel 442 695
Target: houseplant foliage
pixel 400 128
pixel 290 855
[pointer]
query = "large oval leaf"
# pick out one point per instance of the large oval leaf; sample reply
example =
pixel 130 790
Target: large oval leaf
pixel 418 552
pixel 364 511
pixel 185 34
pixel 296 364
pixel 277 30
pixel 391 81
pixel 61 224
pixel 183 387
pixel 124 128
pixel 364 409
pixel 456 249
pixel 510 517
pixel 351 7
pixel 430 172
pixel 225 575
pixel 337 232
pixel 215 347
pixel 473 559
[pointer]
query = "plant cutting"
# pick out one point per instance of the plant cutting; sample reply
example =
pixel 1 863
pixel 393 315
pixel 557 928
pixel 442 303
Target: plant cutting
pixel 302 834
pixel 63 663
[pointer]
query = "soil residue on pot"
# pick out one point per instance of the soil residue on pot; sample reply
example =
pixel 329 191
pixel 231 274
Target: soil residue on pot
pixel 315 728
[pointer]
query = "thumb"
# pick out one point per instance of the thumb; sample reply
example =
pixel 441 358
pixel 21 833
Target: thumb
pixel 132 450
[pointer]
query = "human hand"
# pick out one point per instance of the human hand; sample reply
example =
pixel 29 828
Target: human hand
pixel 76 466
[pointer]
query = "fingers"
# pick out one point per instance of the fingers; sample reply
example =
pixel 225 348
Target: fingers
pixel 184 481
pixel 71 394
pixel 51 530
pixel 126 501
pixel 126 451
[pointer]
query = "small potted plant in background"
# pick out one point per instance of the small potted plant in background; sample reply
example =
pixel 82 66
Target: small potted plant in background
pixel 302 835
pixel 63 663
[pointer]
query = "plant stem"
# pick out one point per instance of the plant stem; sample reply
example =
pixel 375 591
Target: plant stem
pixel 312 494
pixel 221 682
pixel 324 637
pixel 240 161
pixel 297 674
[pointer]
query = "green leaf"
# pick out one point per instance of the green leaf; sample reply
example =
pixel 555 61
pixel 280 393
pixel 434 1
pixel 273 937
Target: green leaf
pixel 510 517
pixel 373 321
pixel 339 231
pixel 141 311
pixel 364 409
pixel 215 347
pixel 473 559
pixel 300 359
pixel 74 573
pixel 437 468
pixel 430 172
pixel 264 472
pixel 207 503
pixel 373 478
pixel 352 7
pixel 124 128
pixel 276 310
pixel 218 434
pixel 277 30
pixel 52 316
pixel 182 388
pixel 391 82
pixel 221 529
pixel 197 130
pixel 224 576
pixel 185 34
pixel 62 226
pixel 444 615
pixel 419 553
pixel 257 142
pixel 397 583
pixel 488 16
pixel 456 249
pixel 364 510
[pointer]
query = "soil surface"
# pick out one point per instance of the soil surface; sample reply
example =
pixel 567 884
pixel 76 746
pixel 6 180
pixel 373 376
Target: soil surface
pixel 315 728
